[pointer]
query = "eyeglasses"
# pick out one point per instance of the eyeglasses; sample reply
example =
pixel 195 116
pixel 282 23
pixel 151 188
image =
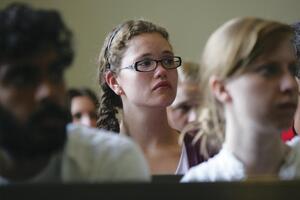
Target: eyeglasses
pixel 148 64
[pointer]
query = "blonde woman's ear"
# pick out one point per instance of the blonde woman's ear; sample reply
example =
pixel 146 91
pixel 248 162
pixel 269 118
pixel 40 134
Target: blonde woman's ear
pixel 218 89
pixel 112 82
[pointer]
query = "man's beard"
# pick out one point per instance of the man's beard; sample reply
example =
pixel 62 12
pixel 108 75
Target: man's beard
pixel 42 135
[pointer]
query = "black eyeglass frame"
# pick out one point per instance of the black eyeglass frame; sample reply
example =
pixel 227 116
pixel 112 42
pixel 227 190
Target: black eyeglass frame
pixel 135 65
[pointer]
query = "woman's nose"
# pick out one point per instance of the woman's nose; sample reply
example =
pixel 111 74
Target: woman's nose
pixel 160 71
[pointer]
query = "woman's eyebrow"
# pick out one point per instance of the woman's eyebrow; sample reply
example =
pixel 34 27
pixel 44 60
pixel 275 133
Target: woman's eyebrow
pixel 144 55
pixel 168 52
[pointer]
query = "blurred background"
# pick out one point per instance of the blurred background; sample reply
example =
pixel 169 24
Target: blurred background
pixel 189 22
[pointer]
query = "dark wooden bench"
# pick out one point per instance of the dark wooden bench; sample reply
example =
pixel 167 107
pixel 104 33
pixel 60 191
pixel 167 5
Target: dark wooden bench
pixel 265 190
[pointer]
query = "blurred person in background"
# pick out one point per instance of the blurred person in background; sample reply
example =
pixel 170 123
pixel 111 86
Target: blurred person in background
pixel 184 108
pixel 83 104
pixel 249 67
pixel 36 142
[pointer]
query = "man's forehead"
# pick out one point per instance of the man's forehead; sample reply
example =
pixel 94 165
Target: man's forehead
pixel 44 60
pixel 40 61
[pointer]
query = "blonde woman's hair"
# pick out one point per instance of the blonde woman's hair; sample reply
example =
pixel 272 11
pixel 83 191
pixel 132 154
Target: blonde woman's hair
pixel 227 53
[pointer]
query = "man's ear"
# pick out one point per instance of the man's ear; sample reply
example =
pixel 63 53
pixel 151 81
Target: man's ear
pixel 219 90
pixel 112 82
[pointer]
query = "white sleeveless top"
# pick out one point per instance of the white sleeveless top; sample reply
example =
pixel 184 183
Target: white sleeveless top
pixel 183 164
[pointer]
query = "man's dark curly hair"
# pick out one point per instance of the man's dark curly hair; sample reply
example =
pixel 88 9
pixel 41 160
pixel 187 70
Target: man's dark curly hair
pixel 25 32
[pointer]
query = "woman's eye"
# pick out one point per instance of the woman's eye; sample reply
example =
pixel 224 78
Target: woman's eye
pixel 77 116
pixel 183 108
pixel 145 63
pixel 294 70
pixel 269 70
pixel 168 61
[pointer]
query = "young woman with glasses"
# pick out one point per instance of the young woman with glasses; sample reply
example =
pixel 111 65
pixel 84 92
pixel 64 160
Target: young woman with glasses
pixel 251 97
pixel 137 73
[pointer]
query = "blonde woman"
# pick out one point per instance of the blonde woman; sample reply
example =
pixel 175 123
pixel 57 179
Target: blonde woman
pixel 249 67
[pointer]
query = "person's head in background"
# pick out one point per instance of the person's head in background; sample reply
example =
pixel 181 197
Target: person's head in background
pixel 250 85
pixel 83 104
pixel 184 108
pixel 35 50
pixel 126 77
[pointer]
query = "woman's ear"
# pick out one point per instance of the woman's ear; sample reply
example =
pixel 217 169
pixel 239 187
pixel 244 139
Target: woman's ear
pixel 112 82
pixel 219 90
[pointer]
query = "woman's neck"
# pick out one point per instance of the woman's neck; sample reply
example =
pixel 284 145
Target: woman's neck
pixel 148 126
pixel 260 149
pixel 150 129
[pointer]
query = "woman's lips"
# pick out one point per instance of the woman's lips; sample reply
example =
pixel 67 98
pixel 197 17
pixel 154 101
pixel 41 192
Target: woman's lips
pixel 162 84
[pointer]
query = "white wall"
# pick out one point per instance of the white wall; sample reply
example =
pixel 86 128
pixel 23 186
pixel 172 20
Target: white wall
pixel 189 23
